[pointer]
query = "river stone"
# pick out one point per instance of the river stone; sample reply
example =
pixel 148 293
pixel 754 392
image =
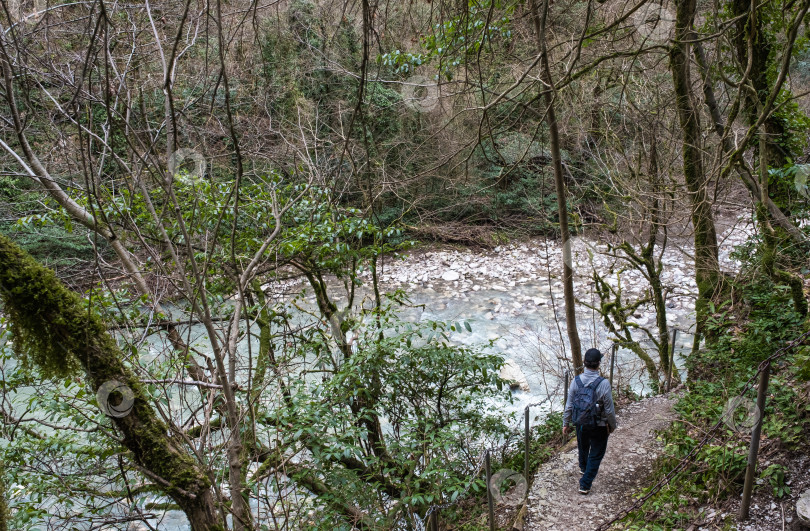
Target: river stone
pixel 450 275
pixel 514 376
pixel 803 508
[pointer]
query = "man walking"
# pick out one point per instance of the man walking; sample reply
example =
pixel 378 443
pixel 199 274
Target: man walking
pixel 590 408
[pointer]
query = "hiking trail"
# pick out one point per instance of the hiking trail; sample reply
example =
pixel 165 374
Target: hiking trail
pixel 554 502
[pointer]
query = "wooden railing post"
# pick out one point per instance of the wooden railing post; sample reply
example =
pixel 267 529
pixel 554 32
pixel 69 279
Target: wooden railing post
pixel 612 361
pixel 526 445
pixel 748 488
pixel 565 391
pixel 490 500
pixel 433 523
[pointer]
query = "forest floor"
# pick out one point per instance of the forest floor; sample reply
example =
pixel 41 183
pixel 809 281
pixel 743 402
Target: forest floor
pixel 554 500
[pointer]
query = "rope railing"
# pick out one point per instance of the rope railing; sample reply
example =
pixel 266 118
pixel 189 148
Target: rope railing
pixel 763 367
pixel 432 512
pixel 431 516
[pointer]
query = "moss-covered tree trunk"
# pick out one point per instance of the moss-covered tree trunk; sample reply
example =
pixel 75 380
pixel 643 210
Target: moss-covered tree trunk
pixel 53 327
pixel 3 503
pixel 707 270
pixel 753 47
pixel 769 240
pixel 655 269
pixel 742 169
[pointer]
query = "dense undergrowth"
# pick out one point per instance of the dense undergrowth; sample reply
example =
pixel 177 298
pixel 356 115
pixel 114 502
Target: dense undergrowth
pixel 758 320
pixel 172 179
pixel 470 513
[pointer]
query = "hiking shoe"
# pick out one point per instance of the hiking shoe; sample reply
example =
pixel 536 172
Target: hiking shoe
pixel 584 491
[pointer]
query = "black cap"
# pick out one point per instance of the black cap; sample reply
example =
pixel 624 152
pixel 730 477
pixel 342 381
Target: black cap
pixel 593 356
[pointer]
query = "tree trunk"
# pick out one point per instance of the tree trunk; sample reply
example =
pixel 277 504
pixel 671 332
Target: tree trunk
pixel 742 170
pixel 3 504
pixel 52 324
pixel 754 60
pixel 549 94
pixel 654 269
pixel 707 270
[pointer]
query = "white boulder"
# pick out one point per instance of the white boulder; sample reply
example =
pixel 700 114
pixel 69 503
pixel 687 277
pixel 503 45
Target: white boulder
pixel 514 376
pixel 803 508
pixel 450 276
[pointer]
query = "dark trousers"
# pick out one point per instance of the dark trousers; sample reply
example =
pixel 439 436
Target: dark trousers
pixel 592 443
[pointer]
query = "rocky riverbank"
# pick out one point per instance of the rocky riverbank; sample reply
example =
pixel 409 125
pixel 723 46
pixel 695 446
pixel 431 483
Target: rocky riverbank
pixel 528 275
pixel 512 295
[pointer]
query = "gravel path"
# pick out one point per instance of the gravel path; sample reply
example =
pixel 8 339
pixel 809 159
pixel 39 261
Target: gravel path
pixel 555 504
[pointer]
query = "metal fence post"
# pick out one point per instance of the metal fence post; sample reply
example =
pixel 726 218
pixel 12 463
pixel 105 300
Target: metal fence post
pixel 490 501
pixel 526 444
pixel 754 449
pixel 565 392
pixel 612 362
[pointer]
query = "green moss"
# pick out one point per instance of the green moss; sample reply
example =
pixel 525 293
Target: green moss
pixel 769 255
pixel 55 329
pixel 3 504
pixel 796 289
pixel 42 314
